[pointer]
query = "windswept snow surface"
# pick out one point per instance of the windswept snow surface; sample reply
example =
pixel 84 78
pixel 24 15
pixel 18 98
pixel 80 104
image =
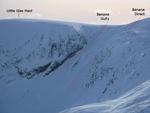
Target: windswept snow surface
pixel 47 67
pixel 135 101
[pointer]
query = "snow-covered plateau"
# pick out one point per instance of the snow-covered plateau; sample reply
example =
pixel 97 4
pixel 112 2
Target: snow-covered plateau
pixel 60 67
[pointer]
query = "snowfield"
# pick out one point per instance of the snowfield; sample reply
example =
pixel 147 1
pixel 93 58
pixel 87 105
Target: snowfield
pixel 52 67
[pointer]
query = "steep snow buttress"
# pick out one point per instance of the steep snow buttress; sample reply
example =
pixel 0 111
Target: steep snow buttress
pixel 36 47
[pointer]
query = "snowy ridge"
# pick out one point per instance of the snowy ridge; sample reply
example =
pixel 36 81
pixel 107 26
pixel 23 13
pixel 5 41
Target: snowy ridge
pixel 135 101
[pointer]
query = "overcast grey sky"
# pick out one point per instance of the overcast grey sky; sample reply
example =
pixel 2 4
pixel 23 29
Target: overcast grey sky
pixel 83 11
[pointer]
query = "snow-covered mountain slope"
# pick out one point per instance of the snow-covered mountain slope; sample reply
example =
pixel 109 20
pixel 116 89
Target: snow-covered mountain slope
pixel 84 63
pixel 135 101
pixel 35 47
